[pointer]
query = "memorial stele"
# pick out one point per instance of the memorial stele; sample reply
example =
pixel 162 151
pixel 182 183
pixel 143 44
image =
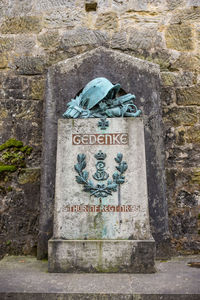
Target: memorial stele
pixel 101 215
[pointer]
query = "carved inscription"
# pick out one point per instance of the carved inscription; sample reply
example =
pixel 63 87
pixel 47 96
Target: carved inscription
pixel 104 208
pixel 100 139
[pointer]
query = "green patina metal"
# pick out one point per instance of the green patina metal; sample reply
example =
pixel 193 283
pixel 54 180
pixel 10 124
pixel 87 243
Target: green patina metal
pixel 101 189
pixel 100 174
pixel 103 124
pixel 99 100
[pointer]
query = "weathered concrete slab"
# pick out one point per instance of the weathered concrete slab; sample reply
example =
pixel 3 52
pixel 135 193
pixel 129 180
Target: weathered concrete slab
pixel 26 278
pixel 98 228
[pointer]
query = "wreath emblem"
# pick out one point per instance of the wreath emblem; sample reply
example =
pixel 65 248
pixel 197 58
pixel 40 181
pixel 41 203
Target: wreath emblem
pixel 100 189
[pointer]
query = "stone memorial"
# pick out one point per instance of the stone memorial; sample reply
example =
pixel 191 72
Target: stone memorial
pixel 101 215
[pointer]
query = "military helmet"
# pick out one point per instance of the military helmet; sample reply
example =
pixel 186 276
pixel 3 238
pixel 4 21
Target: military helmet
pixel 96 90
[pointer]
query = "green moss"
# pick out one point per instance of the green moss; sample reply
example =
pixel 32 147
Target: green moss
pixel 7 168
pixel 9 188
pixel 26 149
pixel 8 243
pixel 198 216
pixel 11 143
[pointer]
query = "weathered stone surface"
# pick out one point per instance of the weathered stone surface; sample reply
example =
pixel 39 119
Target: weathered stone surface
pixel 19 205
pixel 24 45
pixel 3 61
pixel 6 44
pixel 173 4
pixel 21 25
pixel 14 87
pixel 18 8
pixel 119 41
pixel 182 222
pixel 179 37
pixel 187 62
pixel 27 65
pixel 49 39
pixel 43 5
pixel 181 116
pixel 29 176
pixel 193 3
pixel 107 21
pixel 185 199
pixel 108 226
pixel 133 74
pixel 144 38
pixel 167 96
pixel 83 37
pixel 104 256
pixel 193 135
pixel 37 87
pixel 172 276
pixel 64 18
pixel 188 96
pixel 146 5
pixel 188 15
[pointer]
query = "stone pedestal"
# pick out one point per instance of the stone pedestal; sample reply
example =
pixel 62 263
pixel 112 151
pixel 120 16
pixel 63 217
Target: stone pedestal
pixel 101 217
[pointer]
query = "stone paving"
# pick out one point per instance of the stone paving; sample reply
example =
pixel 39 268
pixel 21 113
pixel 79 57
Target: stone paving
pixel 24 277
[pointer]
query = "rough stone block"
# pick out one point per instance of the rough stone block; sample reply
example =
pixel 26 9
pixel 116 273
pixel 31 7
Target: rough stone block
pixel 188 15
pixel 3 61
pixel 49 39
pixel 188 96
pixel 6 44
pixel 83 37
pixel 144 38
pixel 187 62
pixel 26 24
pixel 101 256
pixel 181 116
pixel 107 21
pixel 119 40
pixel 179 37
pixel 44 5
pixel 37 87
pixel 27 65
pixel 193 135
pixel 195 3
pixel 64 18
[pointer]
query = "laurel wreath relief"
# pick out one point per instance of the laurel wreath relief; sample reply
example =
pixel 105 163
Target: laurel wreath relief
pixel 100 189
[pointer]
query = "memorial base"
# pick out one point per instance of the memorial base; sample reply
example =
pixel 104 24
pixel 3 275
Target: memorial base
pixel 101 256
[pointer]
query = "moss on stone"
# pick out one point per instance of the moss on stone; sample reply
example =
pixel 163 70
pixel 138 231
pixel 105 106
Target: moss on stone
pixel 26 149
pixel 7 168
pixel 11 143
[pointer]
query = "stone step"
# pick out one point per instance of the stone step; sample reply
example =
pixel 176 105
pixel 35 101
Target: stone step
pixel 24 277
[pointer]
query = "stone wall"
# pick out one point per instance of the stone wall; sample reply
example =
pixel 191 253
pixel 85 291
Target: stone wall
pixel 34 34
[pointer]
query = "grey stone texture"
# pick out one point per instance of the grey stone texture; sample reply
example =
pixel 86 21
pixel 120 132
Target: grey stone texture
pixel 106 241
pixel 101 256
pixel 24 277
pixel 25 42
pixel 63 83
